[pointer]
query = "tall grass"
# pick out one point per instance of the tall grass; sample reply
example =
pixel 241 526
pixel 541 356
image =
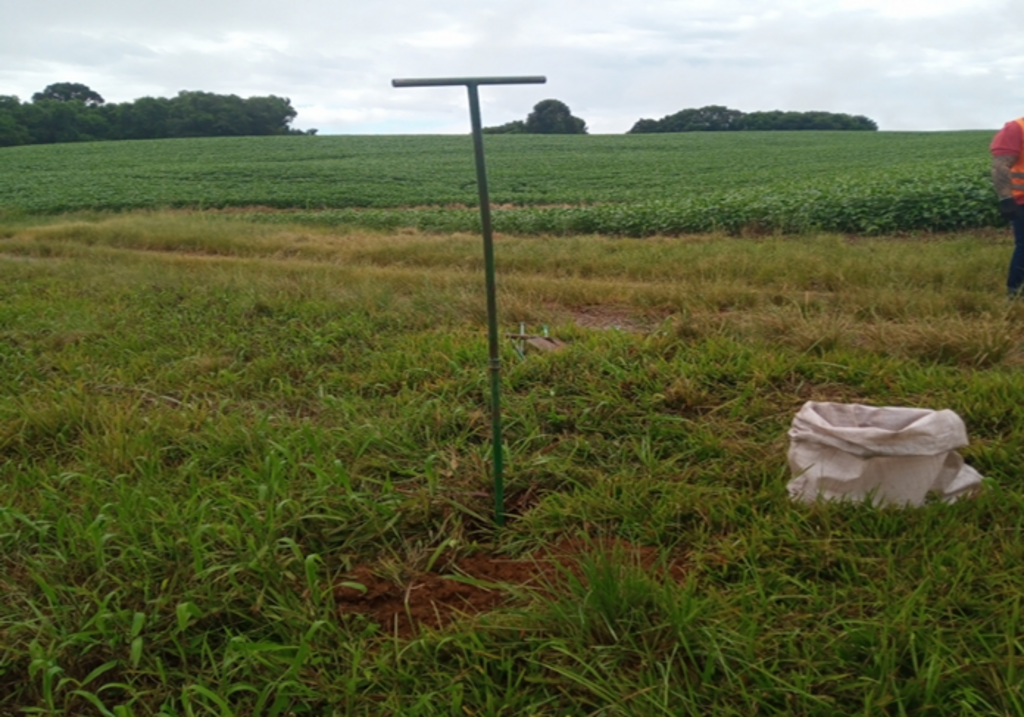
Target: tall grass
pixel 205 425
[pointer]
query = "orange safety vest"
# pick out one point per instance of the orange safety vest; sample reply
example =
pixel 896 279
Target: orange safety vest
pixel 1017 172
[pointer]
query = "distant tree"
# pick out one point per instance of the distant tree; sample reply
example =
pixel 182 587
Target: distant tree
pixel 72 112
pixel 715 118
pixel 51 121
pixel 763 120
pixel 12 131
pixel 205 114
pixel 145 118
pixel 268 115
pixel 864 123
pixel 777 120
pixel 553 117
pixel 644 126
pixel 69 92
pixel 513 127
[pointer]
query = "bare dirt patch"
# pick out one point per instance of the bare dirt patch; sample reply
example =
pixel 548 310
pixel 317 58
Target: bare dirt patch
pixel 478 584
pixel 609 317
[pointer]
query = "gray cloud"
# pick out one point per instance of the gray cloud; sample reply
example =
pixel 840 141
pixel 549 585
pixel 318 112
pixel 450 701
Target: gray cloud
pixel 941 64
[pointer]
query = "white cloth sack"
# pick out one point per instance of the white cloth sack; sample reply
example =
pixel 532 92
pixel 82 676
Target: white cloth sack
pixel 843 451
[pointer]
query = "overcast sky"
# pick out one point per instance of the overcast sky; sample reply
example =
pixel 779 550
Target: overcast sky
pixel 907 64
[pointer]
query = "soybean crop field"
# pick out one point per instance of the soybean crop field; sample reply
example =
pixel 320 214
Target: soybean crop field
pixel 634 185
pixel 244 470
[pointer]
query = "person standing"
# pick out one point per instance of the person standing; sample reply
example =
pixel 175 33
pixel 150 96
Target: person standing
pixel 1007 150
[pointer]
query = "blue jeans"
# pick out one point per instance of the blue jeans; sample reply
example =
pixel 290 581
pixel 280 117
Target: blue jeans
pixel 1015 279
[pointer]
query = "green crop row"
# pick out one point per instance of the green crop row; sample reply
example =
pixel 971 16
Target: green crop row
pixel 942 203
pixel 632 185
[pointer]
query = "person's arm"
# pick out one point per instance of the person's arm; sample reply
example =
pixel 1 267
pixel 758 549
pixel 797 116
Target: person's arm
pixel 1001 174
pixel 1006 148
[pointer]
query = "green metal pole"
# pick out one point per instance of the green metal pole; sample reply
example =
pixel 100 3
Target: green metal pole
pixel 494 361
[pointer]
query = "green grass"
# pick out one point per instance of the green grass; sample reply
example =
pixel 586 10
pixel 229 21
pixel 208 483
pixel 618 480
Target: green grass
pixel 206 423
pixel 634 185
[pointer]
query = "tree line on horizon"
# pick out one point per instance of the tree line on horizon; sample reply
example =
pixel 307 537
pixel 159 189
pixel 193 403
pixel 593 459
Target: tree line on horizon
pixel 555 117
pixel 716 118
pixel 73 112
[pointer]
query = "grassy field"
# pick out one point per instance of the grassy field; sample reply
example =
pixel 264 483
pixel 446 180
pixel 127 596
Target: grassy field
pixel 634 185
pixel 225 445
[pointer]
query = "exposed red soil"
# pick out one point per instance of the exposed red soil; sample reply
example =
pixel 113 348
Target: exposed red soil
pixel 434 600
